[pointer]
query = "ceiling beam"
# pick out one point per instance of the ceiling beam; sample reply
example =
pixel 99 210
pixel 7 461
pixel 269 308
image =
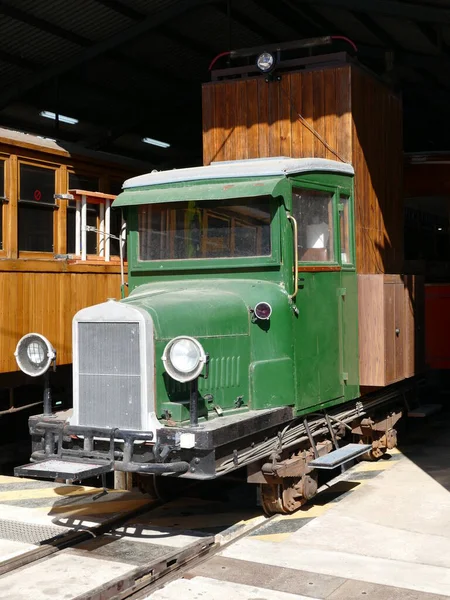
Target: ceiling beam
pixel 166 30
pixel 127 35
pixel 196 46
pixel 318 25
pixel 122 9
pixel 406 58
pixel 391 8
pixel 129 63
pixel 19 15
pixel 381 34
pixel 139 107
pixel 266 35
pixel 285 15
pixel 18 61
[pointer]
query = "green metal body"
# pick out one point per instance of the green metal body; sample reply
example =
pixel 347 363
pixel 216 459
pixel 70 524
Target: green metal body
pixel 305 356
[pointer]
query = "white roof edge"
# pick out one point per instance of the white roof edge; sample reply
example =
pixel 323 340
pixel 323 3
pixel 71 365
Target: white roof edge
pixel 257 167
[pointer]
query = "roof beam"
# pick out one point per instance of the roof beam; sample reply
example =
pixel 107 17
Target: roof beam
pixel 127 35
pixel 236 15
pixel 285 15
pixel 409 59
pixel 166 30
pixel 318 24
pixel 20 15
pixel 122 9
pixel 128 63
pixel 376 30
pixel 391 8
pixel 18 61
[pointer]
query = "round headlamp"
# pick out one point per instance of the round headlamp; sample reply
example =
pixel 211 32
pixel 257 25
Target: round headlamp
pixel 184 358
pixel 265 62
pixel 34 354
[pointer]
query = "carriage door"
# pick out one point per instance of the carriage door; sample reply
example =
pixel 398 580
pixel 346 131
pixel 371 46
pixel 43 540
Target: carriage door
pixel 319 332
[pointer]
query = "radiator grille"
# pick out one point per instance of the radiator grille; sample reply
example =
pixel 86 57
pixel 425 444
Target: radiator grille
pixel 109 375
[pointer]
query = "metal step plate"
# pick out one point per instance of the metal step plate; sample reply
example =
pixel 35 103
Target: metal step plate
pixel 340 456
pixel 62 469
pixel 424 411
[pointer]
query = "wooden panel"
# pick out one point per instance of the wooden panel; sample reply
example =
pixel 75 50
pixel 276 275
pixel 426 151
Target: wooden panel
pixel 399 331
pixel 10 227
pixel 371 330
pixel 389 332
pixel 377 158
pixel 381 312
pixel 253 118
pixel 359 118
pixel 45 303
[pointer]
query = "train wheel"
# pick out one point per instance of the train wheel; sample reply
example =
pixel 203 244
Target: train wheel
pixel 289 495
pixel 162 489
pixel 380 446
pixel 272 499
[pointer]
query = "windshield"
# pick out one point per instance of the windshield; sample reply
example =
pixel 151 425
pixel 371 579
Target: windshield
pixel 205 229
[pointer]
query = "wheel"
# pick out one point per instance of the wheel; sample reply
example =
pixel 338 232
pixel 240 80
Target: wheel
pixel 162 489
pixel 272 499
pixel 288 496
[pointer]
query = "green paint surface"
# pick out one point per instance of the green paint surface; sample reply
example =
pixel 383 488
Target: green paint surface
pixel 306 355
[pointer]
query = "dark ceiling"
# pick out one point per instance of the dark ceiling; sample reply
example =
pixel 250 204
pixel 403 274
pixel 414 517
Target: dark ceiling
pixel 133 68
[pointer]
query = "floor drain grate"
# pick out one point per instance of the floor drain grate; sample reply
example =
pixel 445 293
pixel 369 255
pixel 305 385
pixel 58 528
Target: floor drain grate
pixel 28 533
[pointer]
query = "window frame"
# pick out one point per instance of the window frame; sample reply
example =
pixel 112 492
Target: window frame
pixel 4 200
pixel 54 207
pixel 206 264
pixel 336 189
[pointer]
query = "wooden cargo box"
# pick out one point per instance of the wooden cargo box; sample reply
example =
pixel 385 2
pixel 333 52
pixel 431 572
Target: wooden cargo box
pixel 359 117
pixel 390 315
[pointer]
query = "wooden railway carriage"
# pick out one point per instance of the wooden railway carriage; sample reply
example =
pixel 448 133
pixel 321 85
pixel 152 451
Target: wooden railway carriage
pixel 46 275
pixel 242 342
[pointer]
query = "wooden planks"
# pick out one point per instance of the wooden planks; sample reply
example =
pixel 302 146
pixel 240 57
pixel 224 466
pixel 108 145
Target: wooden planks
pixel 359 118
pixel 45 302
pixel 378 161
pixel 37 292
pixel 390 319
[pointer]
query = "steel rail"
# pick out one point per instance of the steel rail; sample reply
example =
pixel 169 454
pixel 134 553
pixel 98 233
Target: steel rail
pixel 71 538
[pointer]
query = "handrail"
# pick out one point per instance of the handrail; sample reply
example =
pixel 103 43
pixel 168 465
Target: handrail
pixel 294 223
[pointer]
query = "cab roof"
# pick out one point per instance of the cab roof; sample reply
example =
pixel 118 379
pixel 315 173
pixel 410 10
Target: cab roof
pixel 256 167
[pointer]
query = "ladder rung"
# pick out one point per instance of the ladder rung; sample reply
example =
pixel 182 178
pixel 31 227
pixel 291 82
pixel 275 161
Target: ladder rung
pixel 340 456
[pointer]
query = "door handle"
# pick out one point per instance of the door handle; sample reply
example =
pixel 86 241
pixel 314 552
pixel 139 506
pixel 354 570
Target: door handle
pixel 295 229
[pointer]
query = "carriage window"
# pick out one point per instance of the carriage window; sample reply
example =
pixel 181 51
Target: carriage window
pixel 344 227
pixel 313 210
pixel 36 206
pixel 229 229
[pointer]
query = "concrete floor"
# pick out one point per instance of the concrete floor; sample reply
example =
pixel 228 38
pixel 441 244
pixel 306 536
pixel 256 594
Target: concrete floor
pixel 382 533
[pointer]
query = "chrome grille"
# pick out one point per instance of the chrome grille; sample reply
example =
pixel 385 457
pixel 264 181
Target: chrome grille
pixel 109 375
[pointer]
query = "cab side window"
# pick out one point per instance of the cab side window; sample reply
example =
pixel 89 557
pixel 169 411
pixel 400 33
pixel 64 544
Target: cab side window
pixel 313 210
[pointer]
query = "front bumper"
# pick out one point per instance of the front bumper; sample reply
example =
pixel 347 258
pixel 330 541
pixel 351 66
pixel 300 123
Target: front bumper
pixel 191 452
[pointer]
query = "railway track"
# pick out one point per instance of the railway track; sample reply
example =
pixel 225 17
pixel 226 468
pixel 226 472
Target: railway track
pixel 155 540
pixel 149 572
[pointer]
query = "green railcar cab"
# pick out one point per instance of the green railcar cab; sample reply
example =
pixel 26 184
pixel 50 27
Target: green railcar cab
pixel 241 319
pixel 207 245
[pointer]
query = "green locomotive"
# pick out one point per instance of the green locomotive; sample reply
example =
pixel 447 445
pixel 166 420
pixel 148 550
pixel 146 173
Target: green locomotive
pixel 237 345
